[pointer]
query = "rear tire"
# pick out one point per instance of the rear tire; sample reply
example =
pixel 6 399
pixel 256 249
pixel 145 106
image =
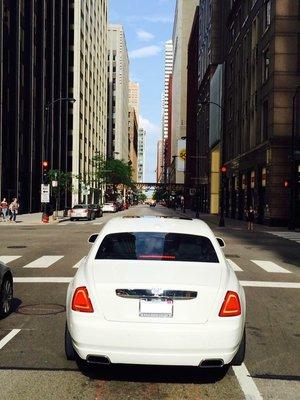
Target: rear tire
pixel 6 297
pixel 69 349
pixel 238 359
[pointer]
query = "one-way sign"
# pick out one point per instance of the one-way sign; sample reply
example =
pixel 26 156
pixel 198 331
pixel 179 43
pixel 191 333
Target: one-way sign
pixel 45 193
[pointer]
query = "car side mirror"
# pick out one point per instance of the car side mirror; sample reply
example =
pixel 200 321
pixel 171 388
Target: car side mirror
pixel 92 238
pixel 221 242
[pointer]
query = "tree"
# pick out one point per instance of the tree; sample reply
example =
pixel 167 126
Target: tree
pixel 142 197
pixel 64 183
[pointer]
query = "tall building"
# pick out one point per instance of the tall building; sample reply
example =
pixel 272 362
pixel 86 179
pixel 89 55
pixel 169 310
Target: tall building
pixel 141 155
pixel 168 72
pixel 133 141
pixel 159 161
pixel 134 98
pixel 34 48
pixel 262 76
pixel 88 85
pixel 118 87
pixel 184 16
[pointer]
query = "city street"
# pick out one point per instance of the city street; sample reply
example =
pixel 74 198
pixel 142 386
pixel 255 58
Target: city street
pixel 43 258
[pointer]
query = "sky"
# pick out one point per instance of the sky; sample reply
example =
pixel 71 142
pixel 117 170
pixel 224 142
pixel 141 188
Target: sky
pixel 148 24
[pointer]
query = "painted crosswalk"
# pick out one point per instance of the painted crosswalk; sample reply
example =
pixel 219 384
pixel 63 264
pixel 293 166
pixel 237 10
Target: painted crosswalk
pixel 43 262
pixel 79 262
pixel 8 259
pixel 234 266
pixel 293 236
pixel 270 266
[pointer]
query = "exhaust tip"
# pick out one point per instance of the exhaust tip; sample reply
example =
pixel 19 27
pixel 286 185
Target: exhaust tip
pixel 212 363
pixel 98 360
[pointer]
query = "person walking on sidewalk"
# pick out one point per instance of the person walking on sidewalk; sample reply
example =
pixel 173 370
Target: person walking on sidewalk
pixel 250 213
pixel 4 208
pixel 14 207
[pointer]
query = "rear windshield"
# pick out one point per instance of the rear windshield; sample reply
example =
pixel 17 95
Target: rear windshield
pixel 156 246
pixel 80 206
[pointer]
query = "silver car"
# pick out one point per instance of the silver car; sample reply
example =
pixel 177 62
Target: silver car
pixel 82 211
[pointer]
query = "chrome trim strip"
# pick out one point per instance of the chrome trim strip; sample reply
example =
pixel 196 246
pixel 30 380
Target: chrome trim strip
pixel 148 293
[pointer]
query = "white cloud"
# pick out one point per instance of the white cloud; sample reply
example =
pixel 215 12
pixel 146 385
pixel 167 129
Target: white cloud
pixel 149 127
pixel 164 19
pixel 144 35
pixel 143 52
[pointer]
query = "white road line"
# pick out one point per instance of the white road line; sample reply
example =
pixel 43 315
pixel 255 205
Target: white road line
pixel 98 223
pixel 8 337
pixel 8 259
pixel 233 265
pixel 269 266
pixel 43 280
pixel 79 262
pixel 284 285
pixel 43 262
pixel 247 383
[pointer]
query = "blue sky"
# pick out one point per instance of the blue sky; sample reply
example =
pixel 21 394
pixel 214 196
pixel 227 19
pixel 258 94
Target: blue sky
pixel 148 25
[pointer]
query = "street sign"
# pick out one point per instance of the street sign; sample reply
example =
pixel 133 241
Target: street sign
pixel 45 193
pixel 85 192
pixel 54 183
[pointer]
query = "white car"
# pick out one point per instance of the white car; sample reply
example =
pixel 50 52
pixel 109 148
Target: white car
pixel 109 207
pixel 156 290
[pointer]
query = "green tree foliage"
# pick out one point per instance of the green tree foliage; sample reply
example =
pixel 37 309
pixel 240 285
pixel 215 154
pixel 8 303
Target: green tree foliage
pixel 142 197
pixel 113 172
pixel 64 183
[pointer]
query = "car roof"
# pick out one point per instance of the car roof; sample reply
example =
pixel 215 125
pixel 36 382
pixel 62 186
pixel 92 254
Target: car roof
pixel 156 224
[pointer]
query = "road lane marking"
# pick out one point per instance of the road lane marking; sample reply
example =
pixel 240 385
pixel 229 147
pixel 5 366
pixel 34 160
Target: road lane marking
pixel 284 285
pixel 98 223
pixel 233 265
pixel 79 262
pixel 8 337
pixel 247 384
pixel 8 259
pixel 269 266
pixel 43 262
pixel 43 280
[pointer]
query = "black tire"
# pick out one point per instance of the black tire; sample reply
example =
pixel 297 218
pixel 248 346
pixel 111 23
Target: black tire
pixel 238 359
pixel 6 297
pixel 69 349
pixel 72 219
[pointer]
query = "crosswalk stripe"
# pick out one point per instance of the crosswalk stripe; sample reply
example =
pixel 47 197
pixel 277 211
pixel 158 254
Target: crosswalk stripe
pixel 8 259
pixel 270 266
pixel 79 262
pixel 43 262
pixel 8 337
pixel 234 266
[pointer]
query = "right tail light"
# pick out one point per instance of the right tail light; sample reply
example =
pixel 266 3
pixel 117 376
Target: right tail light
pixel 231 306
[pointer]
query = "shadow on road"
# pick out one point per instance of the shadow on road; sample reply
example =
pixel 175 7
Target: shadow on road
pixel 154 374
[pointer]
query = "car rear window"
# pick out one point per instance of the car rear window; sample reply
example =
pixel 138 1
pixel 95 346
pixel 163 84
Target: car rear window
pixel 79 206
pixel 158 246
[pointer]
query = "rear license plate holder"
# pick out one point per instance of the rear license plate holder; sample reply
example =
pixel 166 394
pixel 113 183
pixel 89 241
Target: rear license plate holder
pixel 156 308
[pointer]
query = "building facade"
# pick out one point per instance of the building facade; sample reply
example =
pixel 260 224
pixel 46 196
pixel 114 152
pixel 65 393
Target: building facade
pixel 34 65
pixel 141 155
pixel 134 98
pixel 118 87
pixel 133 141
pixel 168 72
pixel 159 161
pixel 262 59
pixel 88 85
pixel 184 16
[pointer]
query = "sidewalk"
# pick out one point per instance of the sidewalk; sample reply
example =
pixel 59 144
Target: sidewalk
pixel 35 219
pixel 230 223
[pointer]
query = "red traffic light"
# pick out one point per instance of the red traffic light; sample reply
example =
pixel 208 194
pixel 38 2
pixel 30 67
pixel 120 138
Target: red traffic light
pixel 224 169
pixel 45 164
pixel 286 183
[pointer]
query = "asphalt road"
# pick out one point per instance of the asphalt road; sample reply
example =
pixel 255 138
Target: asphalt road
pixel 32 360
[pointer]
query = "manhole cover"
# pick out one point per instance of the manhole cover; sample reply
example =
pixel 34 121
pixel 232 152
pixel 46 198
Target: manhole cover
pixel 16 247
pixel 42 309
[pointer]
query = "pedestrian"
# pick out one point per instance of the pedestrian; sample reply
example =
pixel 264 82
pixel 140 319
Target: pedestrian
pixel 4 208
pixel 14 207
pixel 250 213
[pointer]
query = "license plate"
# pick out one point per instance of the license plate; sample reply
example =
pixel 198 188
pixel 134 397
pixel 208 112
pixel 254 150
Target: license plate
pixel 156 308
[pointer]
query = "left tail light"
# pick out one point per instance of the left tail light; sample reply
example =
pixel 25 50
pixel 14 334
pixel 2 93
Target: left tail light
pixel 81 301
pixel 231 306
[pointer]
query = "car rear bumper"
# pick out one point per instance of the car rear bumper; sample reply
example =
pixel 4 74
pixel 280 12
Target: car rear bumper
pixel 156 344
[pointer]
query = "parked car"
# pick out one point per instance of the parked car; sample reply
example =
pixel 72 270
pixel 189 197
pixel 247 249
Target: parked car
pixel 109 207
pixel 6 290
pixel 82 211
pixel 153 204
pixel 157 291
pixel 97 210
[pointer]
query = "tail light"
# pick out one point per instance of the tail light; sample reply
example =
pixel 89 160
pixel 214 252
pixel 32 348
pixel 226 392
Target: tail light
pixel 231 306
pixel 81 301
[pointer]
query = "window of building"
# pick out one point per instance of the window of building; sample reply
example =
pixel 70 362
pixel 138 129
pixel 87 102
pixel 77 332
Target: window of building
pixel 266 64
pixel 267 14
pixel 264 120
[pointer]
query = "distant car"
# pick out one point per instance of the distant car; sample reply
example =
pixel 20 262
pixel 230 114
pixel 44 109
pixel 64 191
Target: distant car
pixel 153 204
pixel 126 206
pixel 109 207
pixel 6 290
pixel 82 211
pixel 97 210
pixel 158 291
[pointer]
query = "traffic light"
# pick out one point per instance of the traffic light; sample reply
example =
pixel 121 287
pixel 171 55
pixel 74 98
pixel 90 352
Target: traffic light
pixel 287 183
pixel 45 170
pixel 223 169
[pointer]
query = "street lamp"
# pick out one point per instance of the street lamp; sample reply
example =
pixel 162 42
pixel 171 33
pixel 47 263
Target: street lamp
pixel 292 222
pixel 48 107
pixel 222 219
